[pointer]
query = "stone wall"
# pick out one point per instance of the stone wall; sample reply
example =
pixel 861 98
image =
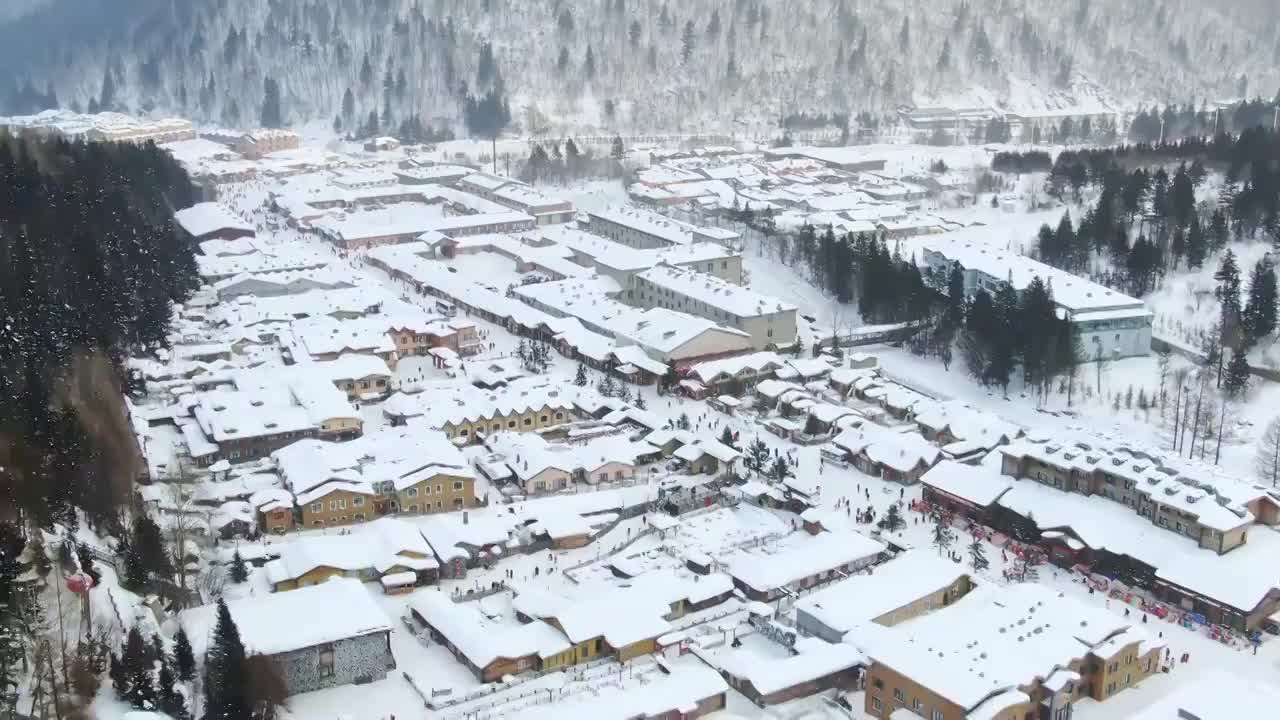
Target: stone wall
pixel 355 660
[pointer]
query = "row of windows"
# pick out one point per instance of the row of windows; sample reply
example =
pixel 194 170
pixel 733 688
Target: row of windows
pixel 358 517
pixel 337 504
pixel 497 426
pixel 413 491
pixel 877 707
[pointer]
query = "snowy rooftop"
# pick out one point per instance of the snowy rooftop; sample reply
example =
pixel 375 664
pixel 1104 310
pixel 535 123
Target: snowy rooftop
pixel 671 231
pixel 683 688
pixel 815 660
pixel 283 622
pixel 745 365
pixel 798 556
pixel 379 543
pixel 995 639
pixel 1070 291
pixel 399 455
pixel 977 485
pixel 482 640
pixel 714 292
pixel 208 217
pixel 1205 492
pixel 863 598
pixel 528 454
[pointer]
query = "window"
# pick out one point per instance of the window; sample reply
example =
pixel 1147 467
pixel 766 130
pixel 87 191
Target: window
pixel 357 502
pixel 528 421
pixel 359 517
pixel 439 489
pixel 413 508
pixel 439 504
pixel 543 419
pixel 915 705
pixel 877 683
pixel 617 475
pixel 937 715
pixel 875 704
pixel 604 477
pixel 559 416
pixel 511 423
pixel 317 507
pixel 413 492
pixel 326 661
pixel 897 695
pixel 457 484
pixel 333 505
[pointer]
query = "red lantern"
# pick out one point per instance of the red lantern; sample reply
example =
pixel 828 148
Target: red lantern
pixel 79 583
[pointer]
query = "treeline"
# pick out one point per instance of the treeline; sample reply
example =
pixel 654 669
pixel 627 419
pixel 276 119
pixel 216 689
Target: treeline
pixel 887 287
pixel 1174 122
pixel 91 267
pixel 997 334
pixel 547 161
pixel 1171 227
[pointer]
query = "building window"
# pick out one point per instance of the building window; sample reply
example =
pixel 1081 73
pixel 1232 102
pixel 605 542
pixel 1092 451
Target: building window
pixel 359 517
pixel 528 421
pixel 897 695
pixel 326 661
pixel 875 704
pixel 357 502
pixel 317 507
pixel 604 477
pixel 937 715
pixel 413 492
pixel 457 484
pixel 439 488
pixel 413 508
pixel 511 423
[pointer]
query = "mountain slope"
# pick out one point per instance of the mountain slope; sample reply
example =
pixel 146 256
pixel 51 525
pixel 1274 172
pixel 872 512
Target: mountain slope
pixel 693 65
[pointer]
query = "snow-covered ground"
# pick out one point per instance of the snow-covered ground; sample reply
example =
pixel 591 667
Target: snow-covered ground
pixel 434 669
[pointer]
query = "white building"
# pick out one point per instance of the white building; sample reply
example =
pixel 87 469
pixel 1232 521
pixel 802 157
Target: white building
pixel 770 322
pixel 1110 322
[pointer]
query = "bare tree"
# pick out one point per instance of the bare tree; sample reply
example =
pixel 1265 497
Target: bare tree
pixel 1268 460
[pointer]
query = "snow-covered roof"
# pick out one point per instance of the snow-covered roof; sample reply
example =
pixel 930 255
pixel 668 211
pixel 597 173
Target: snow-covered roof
pixel 529 454
pixel 863 598
pixel 367 546
pixel 747 365
pixel 284 622
pixel 1214 498
pixel 971 483
pixel 1070 291
pixel 798 556
pixel 815 659
pixel 713 292
pixel 207 217
pixel 683 688
pixel 995 639
pixel 482 640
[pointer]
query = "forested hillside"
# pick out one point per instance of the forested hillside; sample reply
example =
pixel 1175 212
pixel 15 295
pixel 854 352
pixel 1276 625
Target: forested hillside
pixel 90 266
pixel 635 65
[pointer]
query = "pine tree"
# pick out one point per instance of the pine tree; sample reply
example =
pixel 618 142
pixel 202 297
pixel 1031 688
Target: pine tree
pixel 780 470
pixel 682 422
pixel 687 43
pixel 137 662
pixel 726 437
pixel 942 533
pixel 1267 462
pixel 239 571
pixel 119 676
pixel 757 456
pixel 978 556
pixel 271 116
pixel 580 378
pixel 1196 245
pixel 892 519
pixel 639 401
pixel 170 701
pixel 589 65
pixel 1259 314
pixel 1237 379
pixel 183 657
pixel 616 149
pixel 227 678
